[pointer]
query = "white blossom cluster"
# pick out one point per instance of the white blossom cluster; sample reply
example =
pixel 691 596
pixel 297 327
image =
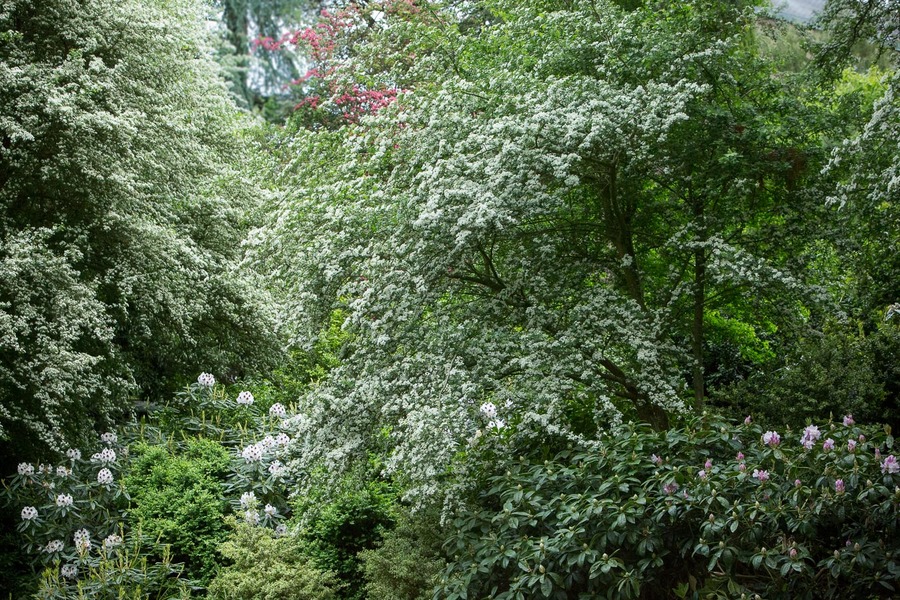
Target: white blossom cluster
pixel 29 513
pixel 107 455
pixel 109 438
pixel 105 477
pixel 206 380
pixel 113 540
pixel 64 500
pixel 54 546
pixel 277 410
pixel 82 539
pixel 245 398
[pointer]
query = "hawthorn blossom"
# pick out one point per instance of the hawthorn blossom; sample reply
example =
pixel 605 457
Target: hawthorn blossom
pixel 109 438
pixel 848 420
pixel 29 513
pixel 245 399
pixel 26 469
pixel 810 436
pixel 277 410
pixel 761 475
pixel 64 500
pixel 206 380
pixel 890 465
pixel 839 486
pixel 54 546
pixel 104 477
pixel 828 444
pixel 771 438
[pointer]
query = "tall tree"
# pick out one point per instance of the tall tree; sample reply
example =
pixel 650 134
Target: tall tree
pixel 121 214
pixel 540 225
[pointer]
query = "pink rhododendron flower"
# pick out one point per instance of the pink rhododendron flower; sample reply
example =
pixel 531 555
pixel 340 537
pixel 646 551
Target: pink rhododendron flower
pixel 848 420
pixel 851 445
pixel 761 475
pixel 890 465
pixel 839 486
pixel 771 438
pixel 828 444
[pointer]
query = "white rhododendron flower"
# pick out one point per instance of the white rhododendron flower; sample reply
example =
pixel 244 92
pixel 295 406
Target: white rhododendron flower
pixel 107 455
pixel 74 453
pixel 26 469
pixel 111 541
pixel 245 398
pixel 64 500
pixel 248 500
pixel 251 517
pixel 54 546
pixel 69 571
pixel 270 510
pixel 489 410
pixel 109 438
pixel 105 477
pixel 206 380
pixel 277 410
pixel 63 471
pixel 253 452
pixel 29 513
pixel 82 539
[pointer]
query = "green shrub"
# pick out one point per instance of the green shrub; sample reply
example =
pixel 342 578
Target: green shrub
pixel 267 567
pixel 178 499
pixel 338 530
pixel 408 562
pixel 718 513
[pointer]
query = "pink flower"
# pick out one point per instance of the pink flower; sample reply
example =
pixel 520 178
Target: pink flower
pixel 862 438
pixel 740 456
pixel 793 553
pixel 877 453
pixel 839 486
pixel 748 419
pixel 656 460
pixel 701 474
pixel 828 444
pixel 810 435
pixel 761 475
pixel 670 488
pixel 848 420
pixel 851 445
pixel 708 464
pixel 742 467
pixel 771 438
pixel 890 465
pixel 797 483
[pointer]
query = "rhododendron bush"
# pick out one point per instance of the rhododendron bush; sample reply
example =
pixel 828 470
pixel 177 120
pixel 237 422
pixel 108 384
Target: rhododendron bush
pixel 711 508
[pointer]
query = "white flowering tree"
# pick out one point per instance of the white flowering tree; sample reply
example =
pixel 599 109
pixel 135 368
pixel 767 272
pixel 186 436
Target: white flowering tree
pixel 121 214
pixel 540 225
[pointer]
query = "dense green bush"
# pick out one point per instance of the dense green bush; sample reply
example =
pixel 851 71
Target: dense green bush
pixel 407 563
pixel 177 497
pixel 709 508
pixel 267 567
pixel 335 532
pixel 840 370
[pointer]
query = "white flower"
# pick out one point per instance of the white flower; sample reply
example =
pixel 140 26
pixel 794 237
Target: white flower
pixel 489 410
pixel 64 500
pixel 277 410
pixel 69 571
pixel 74 453
pixel 29 513
pixel 248 500
pixel 245 398
pixel 282 439
pixel 253 453
pixel 107 455
pixel 271 511
pixel 53 546
pixel 206 380
pixel 109 438
pixel 281 530
pixel 251 517
pixel 111 541
pixel 104 477
pixel 82 539
pixel 63 471
pixel 268 442
pixel 276 468
pixel 26 469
